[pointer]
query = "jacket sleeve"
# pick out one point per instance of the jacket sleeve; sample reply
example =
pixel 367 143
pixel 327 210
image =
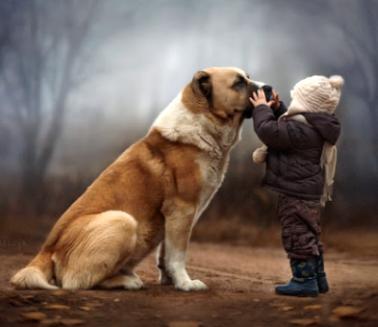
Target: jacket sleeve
pixel 272 132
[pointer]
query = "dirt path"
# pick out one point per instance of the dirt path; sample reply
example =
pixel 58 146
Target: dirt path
pixel 241 281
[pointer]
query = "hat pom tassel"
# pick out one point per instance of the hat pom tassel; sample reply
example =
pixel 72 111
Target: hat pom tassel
pixel 336 81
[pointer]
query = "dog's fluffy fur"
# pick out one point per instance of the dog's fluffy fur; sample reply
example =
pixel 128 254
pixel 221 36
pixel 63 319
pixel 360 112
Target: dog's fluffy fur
pixel 152 195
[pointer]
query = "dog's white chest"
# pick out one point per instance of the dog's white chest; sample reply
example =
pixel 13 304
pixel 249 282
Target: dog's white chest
pixel 212 172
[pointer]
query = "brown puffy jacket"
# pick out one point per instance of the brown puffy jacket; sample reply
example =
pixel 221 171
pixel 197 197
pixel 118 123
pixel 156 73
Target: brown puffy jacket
pixel 294 150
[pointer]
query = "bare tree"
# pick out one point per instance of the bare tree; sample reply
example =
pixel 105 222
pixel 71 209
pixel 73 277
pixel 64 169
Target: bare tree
pixel 6 17
pixel 43 57
pixel 363 43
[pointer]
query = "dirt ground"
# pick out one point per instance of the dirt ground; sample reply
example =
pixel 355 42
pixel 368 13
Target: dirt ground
pixel 241 281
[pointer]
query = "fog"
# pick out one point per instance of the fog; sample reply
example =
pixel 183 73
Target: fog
pixel 143 62
pixel 133 57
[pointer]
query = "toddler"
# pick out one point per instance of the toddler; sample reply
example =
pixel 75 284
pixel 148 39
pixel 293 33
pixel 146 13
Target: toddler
pixel 300 156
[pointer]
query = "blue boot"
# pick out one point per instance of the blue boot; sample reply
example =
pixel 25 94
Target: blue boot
pixel 304 281
pixel 321 275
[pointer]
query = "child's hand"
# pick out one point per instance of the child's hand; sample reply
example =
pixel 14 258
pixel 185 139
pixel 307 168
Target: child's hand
pixel 259 99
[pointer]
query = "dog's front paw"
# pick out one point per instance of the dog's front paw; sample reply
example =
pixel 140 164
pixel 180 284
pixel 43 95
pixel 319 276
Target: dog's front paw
pixel 191 285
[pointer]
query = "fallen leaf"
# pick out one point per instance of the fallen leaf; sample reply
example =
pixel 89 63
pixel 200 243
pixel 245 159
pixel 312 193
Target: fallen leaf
pixel 184 324
pixel 71 322
pixel 347 312
pixel 312 307
pixel 57 306
pixel 94 304
pixel 59 292
pixel 33 316
pixel 286 308
pixel 370 295
pixel 28 296
pixel 15 303
pixel 85 308
pixel 50 322
pixel 22 300
pixel 29 308
pixel 334 318
pixel 303 322
pixel 276 304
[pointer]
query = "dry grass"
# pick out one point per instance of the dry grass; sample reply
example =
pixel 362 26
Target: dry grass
pixel 15 232
pixel 356 240
pixel 236 231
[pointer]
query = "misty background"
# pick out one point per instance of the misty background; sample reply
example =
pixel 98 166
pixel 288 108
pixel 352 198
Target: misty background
pixel 82 80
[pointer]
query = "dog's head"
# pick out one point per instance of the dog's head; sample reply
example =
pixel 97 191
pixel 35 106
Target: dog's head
pixel 221 92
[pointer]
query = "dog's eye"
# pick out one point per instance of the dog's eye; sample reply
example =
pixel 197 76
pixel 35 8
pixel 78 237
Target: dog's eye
pixel 239 84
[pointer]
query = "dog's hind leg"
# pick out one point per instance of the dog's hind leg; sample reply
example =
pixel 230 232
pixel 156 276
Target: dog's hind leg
pixel 129 282
pixel 96 248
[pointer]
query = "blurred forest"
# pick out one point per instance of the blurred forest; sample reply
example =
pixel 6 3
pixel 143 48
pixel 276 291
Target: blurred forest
pixel 82 80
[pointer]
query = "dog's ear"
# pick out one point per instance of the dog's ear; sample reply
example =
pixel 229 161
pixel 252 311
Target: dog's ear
pixel 201 84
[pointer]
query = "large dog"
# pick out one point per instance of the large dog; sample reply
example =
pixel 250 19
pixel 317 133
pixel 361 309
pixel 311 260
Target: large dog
pixel 153 194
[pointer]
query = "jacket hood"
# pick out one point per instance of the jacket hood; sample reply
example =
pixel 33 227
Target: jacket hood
pixel 327 125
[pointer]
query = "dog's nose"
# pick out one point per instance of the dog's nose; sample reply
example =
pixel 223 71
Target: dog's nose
pixel 267 88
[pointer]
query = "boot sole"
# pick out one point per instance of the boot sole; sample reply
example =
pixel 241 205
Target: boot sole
pixel 299 295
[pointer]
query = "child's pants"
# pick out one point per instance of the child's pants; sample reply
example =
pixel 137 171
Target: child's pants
pixel 300 221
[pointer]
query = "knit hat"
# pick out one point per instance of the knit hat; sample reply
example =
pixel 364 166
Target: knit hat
pixel 316 94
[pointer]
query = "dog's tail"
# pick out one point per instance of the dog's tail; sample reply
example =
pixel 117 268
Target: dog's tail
pixel 36 274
